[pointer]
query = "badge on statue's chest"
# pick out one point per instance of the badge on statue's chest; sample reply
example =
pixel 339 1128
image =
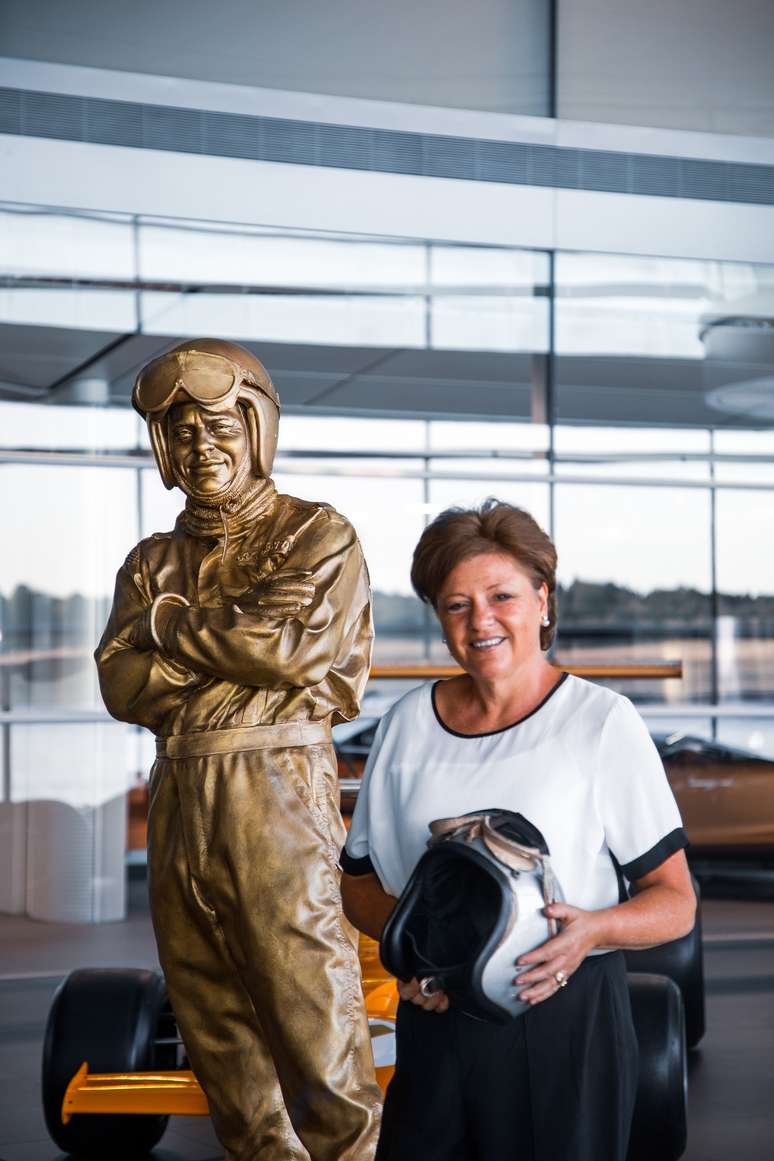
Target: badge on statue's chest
pixel 260 582
pixel 252 565
pixel 265 559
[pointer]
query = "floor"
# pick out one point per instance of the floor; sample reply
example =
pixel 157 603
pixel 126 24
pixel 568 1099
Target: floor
pixel 731 1098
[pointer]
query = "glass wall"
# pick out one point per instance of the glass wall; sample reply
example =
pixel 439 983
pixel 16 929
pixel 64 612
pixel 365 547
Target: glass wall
pixel 664 377
pixel 414 376
pixel 66 767
pixel 650 567
pixel 412 302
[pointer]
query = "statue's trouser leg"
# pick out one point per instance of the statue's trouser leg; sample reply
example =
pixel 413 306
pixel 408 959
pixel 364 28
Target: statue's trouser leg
pixel 261 966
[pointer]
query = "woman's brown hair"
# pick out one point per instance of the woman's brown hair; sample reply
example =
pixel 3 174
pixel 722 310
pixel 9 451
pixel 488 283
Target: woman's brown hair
pixel 459 533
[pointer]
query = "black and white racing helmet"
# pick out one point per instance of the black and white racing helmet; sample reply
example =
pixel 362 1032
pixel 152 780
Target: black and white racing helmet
pixel 473 905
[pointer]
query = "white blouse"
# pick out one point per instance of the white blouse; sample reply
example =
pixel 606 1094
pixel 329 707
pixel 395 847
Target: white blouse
pixel 581 767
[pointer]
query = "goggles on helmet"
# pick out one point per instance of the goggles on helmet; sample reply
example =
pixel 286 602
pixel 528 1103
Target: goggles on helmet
pixel 209 379
pixel 473 905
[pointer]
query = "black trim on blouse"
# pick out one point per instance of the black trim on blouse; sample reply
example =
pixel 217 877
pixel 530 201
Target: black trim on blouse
pixel 352 866
pixel 676 840
pixel 491 733
pixel 623 891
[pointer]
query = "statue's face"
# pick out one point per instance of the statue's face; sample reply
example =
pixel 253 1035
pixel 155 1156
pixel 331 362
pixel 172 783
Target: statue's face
pixel 206 447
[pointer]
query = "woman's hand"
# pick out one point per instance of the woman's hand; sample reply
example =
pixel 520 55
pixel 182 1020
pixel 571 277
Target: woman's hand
pixel 662 908
pixel 560 956
pixel 410 990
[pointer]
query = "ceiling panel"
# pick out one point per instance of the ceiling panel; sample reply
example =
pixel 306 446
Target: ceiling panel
pixel 38 356
pixel 379 380
pixel 413 396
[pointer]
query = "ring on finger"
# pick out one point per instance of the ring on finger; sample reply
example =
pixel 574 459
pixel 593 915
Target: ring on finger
pixel 561 979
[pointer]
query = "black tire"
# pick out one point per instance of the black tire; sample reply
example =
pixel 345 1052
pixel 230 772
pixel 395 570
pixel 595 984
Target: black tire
pixel 111 1019
pixel 659 1127
pixel 683 961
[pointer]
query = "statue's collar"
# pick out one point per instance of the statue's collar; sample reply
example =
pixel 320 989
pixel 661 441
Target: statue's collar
pixel 233 517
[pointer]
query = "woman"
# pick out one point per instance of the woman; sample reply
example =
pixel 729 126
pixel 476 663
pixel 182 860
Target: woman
pixel 575 759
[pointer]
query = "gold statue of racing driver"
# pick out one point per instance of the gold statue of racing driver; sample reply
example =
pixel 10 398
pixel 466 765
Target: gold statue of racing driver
pixel 238 639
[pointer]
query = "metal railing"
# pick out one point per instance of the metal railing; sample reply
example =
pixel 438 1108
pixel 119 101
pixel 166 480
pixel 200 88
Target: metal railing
pixel 602 672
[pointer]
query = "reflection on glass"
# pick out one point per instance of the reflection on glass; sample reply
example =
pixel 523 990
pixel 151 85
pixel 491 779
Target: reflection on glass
pixel 635 578
pixel 35 241
pixel 616 305
pixel 488 301
pixel 384 469
pixel 530 438
pixel 662 340
pixel 472 493
pixel 492 475
pixel 72 307
pixel 39 425
pixel 73 779
pixel 502 450
pixel 753 453
pixel 199 253
pixel 230 279
pixel 488 267
pixel 371 321
pixel 78 764
pixel 756 735
pixel 13 837
pixel 486 323
pixel 635 452
pixel 67 535
pixel 627 304
pixel 159 507
pixel 388 516
pixel 745 581
pixel 666 726
pixel 351 434
pixel 639 354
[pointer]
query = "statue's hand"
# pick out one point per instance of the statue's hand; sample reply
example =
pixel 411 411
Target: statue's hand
pixel 144 634
pixel 279 594
pixel 140 635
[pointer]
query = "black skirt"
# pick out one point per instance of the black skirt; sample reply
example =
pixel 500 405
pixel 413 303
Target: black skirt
pixel 558 1082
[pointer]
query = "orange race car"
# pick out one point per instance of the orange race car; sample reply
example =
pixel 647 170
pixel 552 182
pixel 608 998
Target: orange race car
pixel 114 1068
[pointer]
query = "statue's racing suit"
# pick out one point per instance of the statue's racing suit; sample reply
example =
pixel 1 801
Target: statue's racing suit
pixel 244 826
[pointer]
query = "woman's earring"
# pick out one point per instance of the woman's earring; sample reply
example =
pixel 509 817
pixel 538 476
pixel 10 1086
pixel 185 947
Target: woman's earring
pixel 546 621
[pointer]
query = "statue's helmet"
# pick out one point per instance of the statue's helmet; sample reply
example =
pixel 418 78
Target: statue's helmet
pixel 217 375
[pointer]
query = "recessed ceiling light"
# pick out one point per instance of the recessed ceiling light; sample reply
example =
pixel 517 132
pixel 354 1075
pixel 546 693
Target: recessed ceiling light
pixel 753 398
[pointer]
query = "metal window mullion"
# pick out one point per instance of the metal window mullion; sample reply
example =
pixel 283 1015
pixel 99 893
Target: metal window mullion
pixel 124 460
pixel 553 58
pixel 714 601
pixel 683 710
pixel 550 384
pixel 137 274
pixel 427 617
pixel 5 706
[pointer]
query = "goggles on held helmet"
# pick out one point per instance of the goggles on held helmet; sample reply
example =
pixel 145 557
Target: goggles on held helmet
pixel 473 905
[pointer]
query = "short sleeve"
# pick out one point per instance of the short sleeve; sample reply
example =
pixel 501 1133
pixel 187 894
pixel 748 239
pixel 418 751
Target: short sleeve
pixel 634 800
pixel 356 855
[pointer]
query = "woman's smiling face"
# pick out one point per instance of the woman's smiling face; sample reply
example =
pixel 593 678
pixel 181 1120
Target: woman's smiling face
pixel 490 613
